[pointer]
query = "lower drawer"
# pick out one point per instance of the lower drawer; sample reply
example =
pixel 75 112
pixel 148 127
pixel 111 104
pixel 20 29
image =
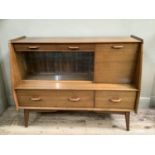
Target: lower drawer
pixel 115 99
pixel 52 98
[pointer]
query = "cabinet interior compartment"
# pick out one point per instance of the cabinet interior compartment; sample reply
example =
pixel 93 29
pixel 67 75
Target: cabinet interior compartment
pixel 57 65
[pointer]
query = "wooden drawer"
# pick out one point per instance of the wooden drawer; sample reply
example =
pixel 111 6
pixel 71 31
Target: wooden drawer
pixel 116 52
pixel 52 98
pixel 53 47
pixel 117 61
pixel 115 99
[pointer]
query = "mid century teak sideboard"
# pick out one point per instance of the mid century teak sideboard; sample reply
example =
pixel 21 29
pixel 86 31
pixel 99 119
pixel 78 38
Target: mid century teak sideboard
pixel 86 74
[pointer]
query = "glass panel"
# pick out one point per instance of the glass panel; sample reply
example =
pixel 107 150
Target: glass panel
pixel 59 65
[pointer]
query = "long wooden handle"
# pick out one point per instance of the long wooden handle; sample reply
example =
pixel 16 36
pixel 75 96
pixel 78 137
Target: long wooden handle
pixel 118 46
pixel 115 100
pixel 35 99
pixel 73 47
pixel 74 99
pixel 33 47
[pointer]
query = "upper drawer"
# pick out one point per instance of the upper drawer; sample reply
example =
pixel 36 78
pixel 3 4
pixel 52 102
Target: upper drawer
pixel 116 52
pixel 54 98
pixel 53 47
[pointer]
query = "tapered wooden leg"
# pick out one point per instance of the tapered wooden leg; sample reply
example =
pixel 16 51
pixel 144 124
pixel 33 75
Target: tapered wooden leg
pixel 127 119
pixel 26 117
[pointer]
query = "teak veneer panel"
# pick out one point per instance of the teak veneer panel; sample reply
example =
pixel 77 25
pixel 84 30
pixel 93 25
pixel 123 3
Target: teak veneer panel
pixel 115 63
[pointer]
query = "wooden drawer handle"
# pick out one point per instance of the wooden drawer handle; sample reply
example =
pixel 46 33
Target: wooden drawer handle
pixel 118 46
pixel 35 99
pixel 74 99
pixel 73 47
pixel 33 47
pixel 115 100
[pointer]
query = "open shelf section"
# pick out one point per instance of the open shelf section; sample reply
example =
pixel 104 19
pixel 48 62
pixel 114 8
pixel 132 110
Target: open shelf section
pixel 72 85
pixel 57 65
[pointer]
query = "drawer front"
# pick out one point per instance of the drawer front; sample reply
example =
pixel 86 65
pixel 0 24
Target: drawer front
pixel 53 47
pixel 51 98
pixel 115 99
pixel 116 52
pixel 116 61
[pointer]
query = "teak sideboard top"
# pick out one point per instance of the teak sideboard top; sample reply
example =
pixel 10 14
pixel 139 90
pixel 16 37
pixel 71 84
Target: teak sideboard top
pixel 24 39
